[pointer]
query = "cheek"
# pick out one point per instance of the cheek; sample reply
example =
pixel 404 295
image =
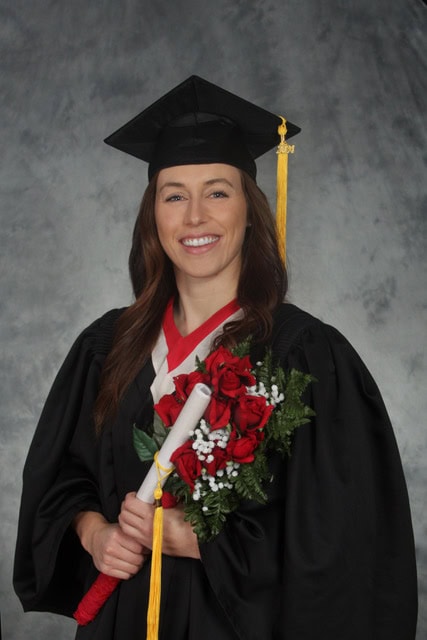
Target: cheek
pixel 240 227
pixel 163 226
pixel 165 242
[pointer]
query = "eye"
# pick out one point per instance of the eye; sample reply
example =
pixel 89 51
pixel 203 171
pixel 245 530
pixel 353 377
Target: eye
pixel 219 194
pixel 174 198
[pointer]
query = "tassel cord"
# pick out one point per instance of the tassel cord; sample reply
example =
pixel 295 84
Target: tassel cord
pixel 283 151
pixel 153 612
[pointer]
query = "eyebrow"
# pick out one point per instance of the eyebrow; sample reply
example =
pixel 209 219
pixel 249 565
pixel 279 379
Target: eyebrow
pixel 207 183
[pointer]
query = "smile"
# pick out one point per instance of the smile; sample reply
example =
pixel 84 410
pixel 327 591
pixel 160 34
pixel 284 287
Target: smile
pixel 199 242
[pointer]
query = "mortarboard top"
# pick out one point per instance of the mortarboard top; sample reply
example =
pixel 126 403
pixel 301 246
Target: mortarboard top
pixel 198 122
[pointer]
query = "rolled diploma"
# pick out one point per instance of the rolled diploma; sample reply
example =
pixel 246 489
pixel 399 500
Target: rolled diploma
pixel 187 420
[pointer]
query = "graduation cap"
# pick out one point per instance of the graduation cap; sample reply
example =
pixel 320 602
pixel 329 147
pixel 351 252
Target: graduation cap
pixel 198 122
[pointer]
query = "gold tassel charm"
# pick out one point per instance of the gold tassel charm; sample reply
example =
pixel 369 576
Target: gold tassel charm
pixel 283 150
pixel 153 613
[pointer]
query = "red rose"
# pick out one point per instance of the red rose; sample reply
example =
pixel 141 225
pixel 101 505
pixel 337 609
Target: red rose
pixel 168 409
pixel 218 412
pixel 241 449
pixel 169 500
pixel 187 464
pixel 229 382
pixel 229 374
pixel 219 461
pixel 251 412
pixel 180 385
pixel 185 383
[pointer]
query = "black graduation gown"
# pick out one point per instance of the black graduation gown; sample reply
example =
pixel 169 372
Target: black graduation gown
pixel 330 555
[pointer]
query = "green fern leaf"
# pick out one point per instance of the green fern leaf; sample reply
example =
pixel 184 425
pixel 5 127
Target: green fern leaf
pixel 145 446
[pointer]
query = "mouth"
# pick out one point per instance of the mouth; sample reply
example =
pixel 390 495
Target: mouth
pixel 199 242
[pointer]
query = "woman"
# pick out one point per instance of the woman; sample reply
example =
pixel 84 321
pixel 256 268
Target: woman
pixel 330 555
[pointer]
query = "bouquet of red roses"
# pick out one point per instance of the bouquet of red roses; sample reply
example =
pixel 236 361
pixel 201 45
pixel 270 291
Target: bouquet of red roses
pixel 252 410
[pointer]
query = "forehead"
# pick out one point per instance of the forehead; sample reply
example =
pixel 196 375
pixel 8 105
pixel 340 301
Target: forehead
pixel 198 173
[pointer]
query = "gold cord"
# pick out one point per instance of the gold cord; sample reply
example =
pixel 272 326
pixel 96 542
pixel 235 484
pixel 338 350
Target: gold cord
pixel 283 150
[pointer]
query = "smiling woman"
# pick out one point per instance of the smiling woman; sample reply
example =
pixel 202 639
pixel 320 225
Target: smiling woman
pixel 315 545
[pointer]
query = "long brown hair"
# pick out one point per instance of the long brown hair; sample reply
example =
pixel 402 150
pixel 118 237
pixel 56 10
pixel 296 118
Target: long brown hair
pixel 262 286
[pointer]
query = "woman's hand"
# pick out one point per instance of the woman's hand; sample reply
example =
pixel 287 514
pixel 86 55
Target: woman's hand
pixel 136 520
pixel 113 552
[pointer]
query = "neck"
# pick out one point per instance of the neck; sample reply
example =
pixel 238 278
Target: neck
pixel 198 302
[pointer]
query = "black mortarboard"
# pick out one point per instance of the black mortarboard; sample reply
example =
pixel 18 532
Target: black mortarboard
pixel 198 122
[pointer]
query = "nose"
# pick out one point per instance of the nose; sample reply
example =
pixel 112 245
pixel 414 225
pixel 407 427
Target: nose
pixel 195 212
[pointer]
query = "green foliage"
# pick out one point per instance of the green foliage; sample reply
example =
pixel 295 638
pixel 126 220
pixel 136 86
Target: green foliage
pixel 243 348
pixel 176 486
pixel 146 444
pixel 292 412
pixel 264 371
pixel 249 483
pixel 159 431
pixel 208 517
pixel 200 365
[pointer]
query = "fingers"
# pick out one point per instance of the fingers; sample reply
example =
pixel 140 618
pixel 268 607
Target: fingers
pixel 118 568
pixel 136 520
pixel 115 553
pixel 128 542
pixel 179 538
pixel 132 505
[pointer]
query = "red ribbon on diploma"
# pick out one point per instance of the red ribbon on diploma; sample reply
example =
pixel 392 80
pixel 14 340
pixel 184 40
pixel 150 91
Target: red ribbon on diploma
pixel 95 598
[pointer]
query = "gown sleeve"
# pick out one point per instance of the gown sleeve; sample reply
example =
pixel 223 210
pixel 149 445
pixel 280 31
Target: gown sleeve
pixel 331 555
pixel 60 479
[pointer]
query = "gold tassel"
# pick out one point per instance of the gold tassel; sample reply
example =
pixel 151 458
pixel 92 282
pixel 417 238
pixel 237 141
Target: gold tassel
pixel 153 613
pixel 283 150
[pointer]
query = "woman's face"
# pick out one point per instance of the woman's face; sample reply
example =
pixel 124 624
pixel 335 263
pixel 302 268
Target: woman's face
pixel 201 218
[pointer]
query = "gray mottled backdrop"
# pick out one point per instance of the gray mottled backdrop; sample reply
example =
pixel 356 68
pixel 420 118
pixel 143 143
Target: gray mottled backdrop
pixel 352 73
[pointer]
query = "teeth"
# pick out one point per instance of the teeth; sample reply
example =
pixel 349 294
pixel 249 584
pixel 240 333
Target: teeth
pixel 199 242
